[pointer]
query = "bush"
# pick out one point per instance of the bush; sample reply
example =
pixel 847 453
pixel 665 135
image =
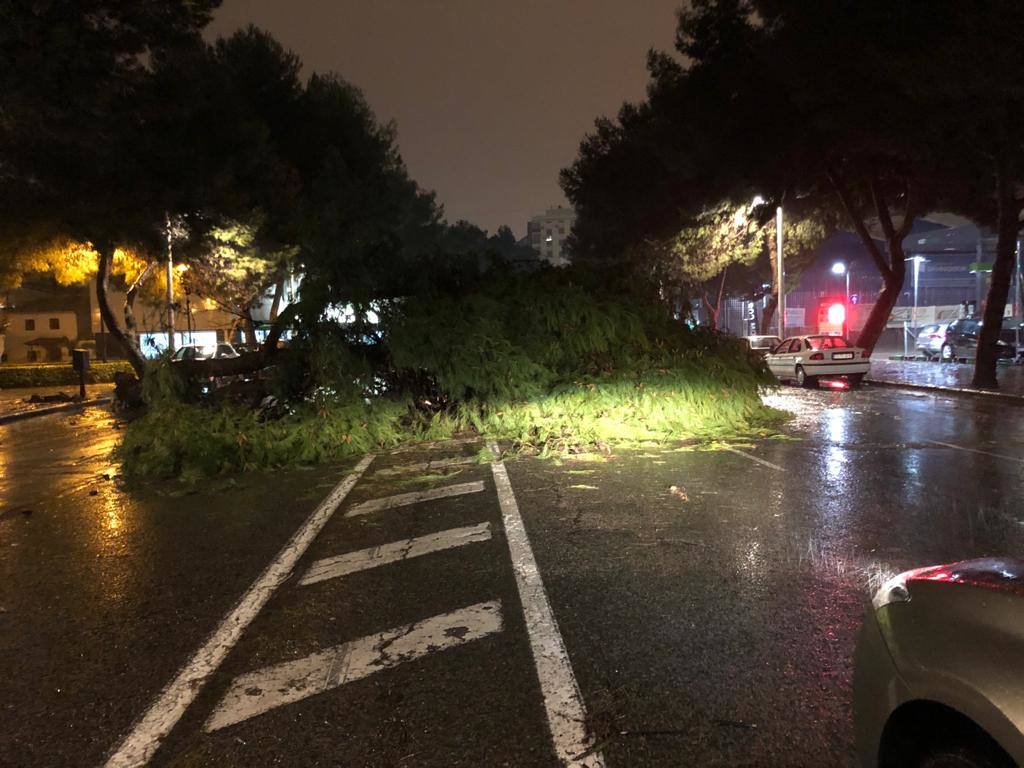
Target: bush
pixel 56 374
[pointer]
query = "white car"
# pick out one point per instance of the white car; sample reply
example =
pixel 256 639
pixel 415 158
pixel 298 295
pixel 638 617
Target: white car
pixel 805 359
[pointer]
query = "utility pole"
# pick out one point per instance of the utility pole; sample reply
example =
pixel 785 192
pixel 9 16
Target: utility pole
pixel 781 303
pixel 170 287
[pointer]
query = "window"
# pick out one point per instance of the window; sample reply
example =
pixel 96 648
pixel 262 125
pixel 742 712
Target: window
pixel 54 323
pixel 30 325
pixel 828 342
pixel 797 345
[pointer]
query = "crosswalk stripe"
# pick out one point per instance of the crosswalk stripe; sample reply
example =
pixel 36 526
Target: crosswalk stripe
pixel 393 552
pixel 404 499
pixel 425 466
pixel 258 692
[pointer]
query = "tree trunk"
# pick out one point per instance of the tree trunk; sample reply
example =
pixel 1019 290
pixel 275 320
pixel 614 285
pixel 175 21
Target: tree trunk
pixel 999 289
pixel 106 259
pixel 878 319
pixel 894 269
pixel 250 361
pixel 275 306
pixel 131 330
pixel 250 329
pixel 768 314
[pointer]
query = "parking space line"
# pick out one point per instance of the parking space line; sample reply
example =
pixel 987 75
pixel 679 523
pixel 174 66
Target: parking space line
pixel 163 714
pixel 563 701
pixel 258 692
pixel 755 459
pixel 425 466
pixel 405 499
pixel 393 552
pixel 975 450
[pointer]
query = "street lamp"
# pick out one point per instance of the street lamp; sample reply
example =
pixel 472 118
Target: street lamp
pixel 840 268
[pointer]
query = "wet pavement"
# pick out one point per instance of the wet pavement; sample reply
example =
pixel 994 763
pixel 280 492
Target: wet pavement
pixel 708 600
pixel 944 375
pixel 16 400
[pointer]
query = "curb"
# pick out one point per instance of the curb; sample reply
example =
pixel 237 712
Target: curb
pixel 22 415
pixel 986 393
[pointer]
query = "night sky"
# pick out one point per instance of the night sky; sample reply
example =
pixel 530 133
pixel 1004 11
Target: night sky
pixel 491 98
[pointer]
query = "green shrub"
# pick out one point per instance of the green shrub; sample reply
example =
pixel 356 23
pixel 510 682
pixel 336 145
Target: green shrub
pixel 56 374
pixel 179 440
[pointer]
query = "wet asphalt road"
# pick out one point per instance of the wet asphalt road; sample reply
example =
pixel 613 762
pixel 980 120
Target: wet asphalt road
pixel 710 625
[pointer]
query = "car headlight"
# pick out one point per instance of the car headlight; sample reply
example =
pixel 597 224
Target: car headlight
pixel 893 591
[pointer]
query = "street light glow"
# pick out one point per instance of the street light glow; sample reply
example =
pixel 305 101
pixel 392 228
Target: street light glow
pixel 839 268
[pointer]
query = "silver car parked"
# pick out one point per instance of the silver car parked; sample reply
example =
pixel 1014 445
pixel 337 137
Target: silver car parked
pixel 939 669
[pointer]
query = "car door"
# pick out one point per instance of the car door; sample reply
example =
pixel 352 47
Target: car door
pixel 776 357
pixel 795 350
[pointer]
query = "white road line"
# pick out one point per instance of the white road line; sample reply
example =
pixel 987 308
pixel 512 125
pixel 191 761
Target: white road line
pixel 364 559
pixel 745 455
pixel 976 450
pixel 424 466
pixel 404 499
pixel 562 698
pixel 265 689
pixel 163 714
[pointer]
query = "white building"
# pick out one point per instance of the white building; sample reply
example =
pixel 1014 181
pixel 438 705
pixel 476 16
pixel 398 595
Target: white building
pixel 40 333
pixel 547 234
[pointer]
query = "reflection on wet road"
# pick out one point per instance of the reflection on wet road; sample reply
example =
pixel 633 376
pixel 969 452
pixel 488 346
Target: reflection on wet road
pixel 715 624
pixel 708 599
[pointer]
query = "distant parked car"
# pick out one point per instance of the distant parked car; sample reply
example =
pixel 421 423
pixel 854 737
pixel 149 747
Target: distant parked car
pixel 805 359
pixel 205 385
pixel 930 339
pixel 762 344
pixel 937 677
pixel 961 342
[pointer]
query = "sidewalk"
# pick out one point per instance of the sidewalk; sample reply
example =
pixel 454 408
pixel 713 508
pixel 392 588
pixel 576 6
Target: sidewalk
pixel 12 401
pixel 954 377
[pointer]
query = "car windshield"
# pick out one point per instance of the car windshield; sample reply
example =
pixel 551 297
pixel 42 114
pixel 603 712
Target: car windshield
pixel 827 342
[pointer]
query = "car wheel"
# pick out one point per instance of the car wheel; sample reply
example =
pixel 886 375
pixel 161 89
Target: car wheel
pixel 948 353
pixel 802 379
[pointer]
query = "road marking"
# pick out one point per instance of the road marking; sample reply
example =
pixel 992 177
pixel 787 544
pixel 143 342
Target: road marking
pixel 139 745
pixel 271 687
pixel 562 698
pixel 404 499
pixel 364 559
pixel 745 455
pixel 975 450
pixel 424 466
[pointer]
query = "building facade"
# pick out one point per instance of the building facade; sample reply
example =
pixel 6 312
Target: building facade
pixel 548 232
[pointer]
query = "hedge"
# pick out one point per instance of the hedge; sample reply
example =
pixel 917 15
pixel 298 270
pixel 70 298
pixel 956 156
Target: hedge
pixel 56 374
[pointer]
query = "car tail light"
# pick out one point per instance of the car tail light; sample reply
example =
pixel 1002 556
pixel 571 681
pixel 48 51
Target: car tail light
pixel 817 356
pixel 864 353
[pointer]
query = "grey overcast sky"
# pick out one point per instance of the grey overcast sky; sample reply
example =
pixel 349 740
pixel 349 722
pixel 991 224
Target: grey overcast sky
pixel 491 97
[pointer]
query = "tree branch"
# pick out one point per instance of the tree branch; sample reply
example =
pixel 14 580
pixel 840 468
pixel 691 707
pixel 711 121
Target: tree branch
pixel 858 224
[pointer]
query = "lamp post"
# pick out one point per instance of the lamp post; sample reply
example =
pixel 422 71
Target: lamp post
pixel 170 287
pixel 781 303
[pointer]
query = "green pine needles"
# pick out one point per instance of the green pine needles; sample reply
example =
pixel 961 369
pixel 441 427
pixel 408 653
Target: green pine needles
pixel 538 361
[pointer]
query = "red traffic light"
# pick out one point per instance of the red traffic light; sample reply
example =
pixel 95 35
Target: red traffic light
pixel 837 314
